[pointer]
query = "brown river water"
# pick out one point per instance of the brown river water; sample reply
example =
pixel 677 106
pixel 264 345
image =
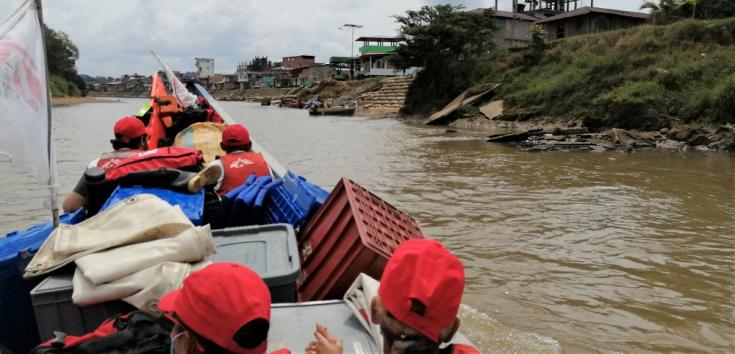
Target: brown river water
pixel 564 252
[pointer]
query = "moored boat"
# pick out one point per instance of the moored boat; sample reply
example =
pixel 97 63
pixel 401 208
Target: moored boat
pixel 332 111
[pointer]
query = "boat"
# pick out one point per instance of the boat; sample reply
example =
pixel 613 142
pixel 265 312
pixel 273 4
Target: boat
pixel 335 312
pixel 291 102
pixel 332 111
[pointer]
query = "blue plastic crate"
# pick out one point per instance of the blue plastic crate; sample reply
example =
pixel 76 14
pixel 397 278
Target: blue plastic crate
pixel 18 325
pixel 191 204
pixel 279 209
pixel 19 245
pixel 306 195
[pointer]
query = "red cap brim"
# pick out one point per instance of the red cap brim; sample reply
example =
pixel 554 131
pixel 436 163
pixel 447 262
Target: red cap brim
pixel 168 301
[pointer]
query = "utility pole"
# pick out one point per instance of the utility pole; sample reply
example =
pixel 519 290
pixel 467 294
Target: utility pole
pixel 352 27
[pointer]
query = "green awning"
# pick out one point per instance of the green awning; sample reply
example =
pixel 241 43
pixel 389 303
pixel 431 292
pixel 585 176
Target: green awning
pixel 377 49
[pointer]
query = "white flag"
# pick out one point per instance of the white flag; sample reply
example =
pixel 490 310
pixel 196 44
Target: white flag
pixel 185 98
pixel 24 124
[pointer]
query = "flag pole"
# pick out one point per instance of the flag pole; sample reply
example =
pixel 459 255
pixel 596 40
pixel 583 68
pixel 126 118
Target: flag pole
pixel 53 178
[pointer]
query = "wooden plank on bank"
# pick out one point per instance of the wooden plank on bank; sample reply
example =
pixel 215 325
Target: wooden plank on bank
pixel 460 101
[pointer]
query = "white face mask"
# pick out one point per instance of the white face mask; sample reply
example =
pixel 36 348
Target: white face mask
pixel 173 339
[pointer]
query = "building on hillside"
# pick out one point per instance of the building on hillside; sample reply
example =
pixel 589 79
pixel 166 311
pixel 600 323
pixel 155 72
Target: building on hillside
pixel 341 65
pixel 298 62
pixel 315 73
pixel 215 81
pixel 588 20
pixel 514 28
pixel 374 59
pixel 282 77
pixel 205 69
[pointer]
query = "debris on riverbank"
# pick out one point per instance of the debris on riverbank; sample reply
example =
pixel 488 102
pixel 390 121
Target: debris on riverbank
pixel 684 138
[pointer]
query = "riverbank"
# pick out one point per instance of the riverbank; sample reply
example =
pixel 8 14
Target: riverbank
pixel 68 101
pixel 665 86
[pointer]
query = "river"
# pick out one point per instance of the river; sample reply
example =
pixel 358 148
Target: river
pixel 564 252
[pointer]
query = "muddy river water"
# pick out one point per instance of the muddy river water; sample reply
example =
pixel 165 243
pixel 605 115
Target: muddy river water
pixel 564 252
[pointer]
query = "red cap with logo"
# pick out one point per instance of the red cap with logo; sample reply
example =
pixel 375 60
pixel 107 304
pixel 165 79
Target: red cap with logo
pixel 422 286
pixel 129 128
pixel 235 135
pixel 221 303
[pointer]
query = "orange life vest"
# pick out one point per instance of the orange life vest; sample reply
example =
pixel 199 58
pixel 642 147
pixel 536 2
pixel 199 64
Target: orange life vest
pixel 109 160
pixel 238 166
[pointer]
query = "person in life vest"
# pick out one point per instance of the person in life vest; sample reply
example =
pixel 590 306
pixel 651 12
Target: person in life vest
pixel 239 162
pixel 417 304
pixel 130 139
pixel 223 308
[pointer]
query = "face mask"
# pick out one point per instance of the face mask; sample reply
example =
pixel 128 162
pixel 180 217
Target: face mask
pixel 173 339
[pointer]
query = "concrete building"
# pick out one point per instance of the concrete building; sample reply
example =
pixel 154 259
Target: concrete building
pixel 588 20
pixel 315 73
pixel 299 61
pixel 205 68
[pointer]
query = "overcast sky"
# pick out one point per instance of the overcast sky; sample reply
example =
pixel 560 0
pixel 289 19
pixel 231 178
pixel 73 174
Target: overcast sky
pixel 115 37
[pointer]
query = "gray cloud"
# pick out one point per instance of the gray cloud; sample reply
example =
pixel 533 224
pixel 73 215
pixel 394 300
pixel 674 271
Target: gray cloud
pixel 115 37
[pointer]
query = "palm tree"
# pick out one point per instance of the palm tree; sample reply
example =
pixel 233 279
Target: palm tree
pixel 667 11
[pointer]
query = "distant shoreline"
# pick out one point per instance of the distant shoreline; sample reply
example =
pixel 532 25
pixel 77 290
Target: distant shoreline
pixel 69 101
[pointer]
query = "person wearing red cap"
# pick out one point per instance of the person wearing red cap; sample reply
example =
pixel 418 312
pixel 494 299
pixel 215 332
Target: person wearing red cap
pixel 130 139
pixel 239 162
pixel 223 308
pixel 417 304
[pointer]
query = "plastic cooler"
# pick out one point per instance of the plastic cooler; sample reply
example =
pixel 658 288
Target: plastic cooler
pixel 269 250
pixel 55 310
pixel 293 201
pixel 293 325
pixel 191 204
pixel 353 232
pixel 17 324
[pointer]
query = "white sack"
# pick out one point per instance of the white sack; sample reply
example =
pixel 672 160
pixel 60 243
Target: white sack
pixel 140 218
pixel 359 298
pixel 191 245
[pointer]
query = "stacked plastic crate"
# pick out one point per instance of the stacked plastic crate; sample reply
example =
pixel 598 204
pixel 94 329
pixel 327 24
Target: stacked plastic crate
pixel 353 232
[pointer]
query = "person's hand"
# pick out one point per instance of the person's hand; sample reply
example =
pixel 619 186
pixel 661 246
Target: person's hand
pixel 324 343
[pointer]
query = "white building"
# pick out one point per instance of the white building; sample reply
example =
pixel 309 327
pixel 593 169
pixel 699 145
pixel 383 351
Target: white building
pixel 205 67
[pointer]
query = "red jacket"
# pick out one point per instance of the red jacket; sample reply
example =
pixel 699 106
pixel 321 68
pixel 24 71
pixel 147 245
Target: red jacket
pixel 238 166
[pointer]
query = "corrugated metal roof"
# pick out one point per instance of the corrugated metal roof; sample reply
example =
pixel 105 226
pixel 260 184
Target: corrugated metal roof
pixel 509 15
pixel 378 38
pixel 588 10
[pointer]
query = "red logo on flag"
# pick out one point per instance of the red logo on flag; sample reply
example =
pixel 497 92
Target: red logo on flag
pixel 19 78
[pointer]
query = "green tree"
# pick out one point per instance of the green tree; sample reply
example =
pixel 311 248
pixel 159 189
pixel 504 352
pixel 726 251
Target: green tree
pixel 445 41
pixel 667 11
pixel 706 9
pixel 61 56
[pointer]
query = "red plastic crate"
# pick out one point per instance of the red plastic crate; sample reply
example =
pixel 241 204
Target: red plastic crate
pixel 353 232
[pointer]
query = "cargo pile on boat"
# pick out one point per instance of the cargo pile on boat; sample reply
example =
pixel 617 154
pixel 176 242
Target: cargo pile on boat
pixel 306 243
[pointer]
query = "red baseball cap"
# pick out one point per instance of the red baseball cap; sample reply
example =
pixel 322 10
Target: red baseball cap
pixel 422 286
pixel 129 128
pixel 220 303
pixel 235 135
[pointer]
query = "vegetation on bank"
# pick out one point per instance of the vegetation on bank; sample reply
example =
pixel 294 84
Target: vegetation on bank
pixel 646 77
pixel 61 56
pixel 446 42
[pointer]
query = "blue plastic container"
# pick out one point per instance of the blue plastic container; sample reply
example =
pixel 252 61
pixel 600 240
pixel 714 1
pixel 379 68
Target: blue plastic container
pixel 306 195
pixel 279 209
pixel 17 322
pixel 293 201
pixel 191 204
